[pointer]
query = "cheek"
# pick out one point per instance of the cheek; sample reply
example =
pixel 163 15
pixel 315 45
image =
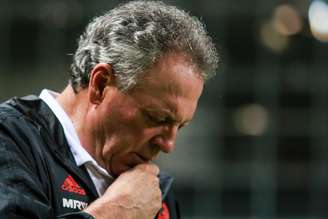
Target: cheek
pixel 121 158
pixel 123 134
pixel 131 139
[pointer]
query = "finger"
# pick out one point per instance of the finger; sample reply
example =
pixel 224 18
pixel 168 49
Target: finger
pixel 149 167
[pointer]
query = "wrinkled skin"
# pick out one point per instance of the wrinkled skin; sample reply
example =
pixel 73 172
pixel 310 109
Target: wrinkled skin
pixel 135 126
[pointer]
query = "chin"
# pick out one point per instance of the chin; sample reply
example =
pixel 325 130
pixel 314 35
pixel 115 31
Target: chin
pixel 119 169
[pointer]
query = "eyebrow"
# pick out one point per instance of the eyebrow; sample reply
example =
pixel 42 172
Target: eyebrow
pixel 170 114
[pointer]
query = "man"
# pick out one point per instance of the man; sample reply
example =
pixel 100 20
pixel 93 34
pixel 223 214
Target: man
pixel 87 152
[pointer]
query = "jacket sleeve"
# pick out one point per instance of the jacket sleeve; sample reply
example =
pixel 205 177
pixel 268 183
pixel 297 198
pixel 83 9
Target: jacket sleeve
pixel 22 195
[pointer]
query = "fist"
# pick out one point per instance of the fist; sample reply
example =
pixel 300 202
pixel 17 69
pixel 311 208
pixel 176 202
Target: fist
pixel 135 194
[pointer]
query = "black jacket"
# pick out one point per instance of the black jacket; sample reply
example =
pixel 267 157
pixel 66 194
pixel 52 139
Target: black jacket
pixel 38 175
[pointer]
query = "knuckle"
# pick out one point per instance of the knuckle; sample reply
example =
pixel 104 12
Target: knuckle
pixel 149 168
pixel 153 168
pixel 159 203
pixel 140 167
pixel 160 196
pixel 156 169
pixel 156 180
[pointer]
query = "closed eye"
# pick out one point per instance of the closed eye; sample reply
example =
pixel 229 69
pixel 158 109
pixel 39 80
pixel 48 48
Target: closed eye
pixel 162 118
pixel 157 118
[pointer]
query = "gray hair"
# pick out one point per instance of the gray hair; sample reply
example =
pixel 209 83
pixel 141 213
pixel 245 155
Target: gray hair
pixel 134 35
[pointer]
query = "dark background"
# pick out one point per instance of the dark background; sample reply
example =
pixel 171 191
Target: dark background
pixel 258 145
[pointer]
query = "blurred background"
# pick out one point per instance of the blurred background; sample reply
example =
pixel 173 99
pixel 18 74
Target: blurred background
pixel 258 146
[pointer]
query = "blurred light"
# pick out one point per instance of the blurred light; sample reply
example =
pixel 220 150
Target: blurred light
pixel 251 119
pixel 287 20
pixel 318 18
pixel 273 39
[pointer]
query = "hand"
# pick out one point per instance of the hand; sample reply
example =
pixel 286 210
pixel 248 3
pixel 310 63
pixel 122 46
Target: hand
pixel 135 194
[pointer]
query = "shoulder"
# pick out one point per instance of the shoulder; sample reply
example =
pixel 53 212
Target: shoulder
pixel 17 112
pixel 18 107
pixel 15 116
pixel 19 133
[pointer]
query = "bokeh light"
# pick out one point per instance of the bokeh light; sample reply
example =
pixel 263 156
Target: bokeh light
pixel 287 20
pixel 251 119
pixel 272 39
pixel 318 19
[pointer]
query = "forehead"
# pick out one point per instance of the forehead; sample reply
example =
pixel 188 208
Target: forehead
pixel 171 72
pixel 172 82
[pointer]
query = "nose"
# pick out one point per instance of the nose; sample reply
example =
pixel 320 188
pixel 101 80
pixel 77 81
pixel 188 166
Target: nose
pixel 166 139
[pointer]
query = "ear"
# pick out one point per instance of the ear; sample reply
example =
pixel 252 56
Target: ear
pixel 101 76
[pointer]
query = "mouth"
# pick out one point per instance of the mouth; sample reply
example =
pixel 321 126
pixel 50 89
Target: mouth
pixel 119 165
pixel 142 158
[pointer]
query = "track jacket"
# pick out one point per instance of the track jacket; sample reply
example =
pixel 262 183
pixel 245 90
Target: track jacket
pixel 38 175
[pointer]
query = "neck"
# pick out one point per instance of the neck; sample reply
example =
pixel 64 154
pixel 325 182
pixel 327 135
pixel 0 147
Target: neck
pixel 76 106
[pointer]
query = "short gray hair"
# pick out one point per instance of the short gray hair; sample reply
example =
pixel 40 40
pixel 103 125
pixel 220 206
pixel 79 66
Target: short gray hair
pixel 131 37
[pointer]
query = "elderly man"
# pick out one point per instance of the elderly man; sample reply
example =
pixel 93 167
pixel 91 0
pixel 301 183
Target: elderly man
pixel 87 152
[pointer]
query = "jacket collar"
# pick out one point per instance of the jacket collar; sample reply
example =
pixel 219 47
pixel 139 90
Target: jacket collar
pixel 52 133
